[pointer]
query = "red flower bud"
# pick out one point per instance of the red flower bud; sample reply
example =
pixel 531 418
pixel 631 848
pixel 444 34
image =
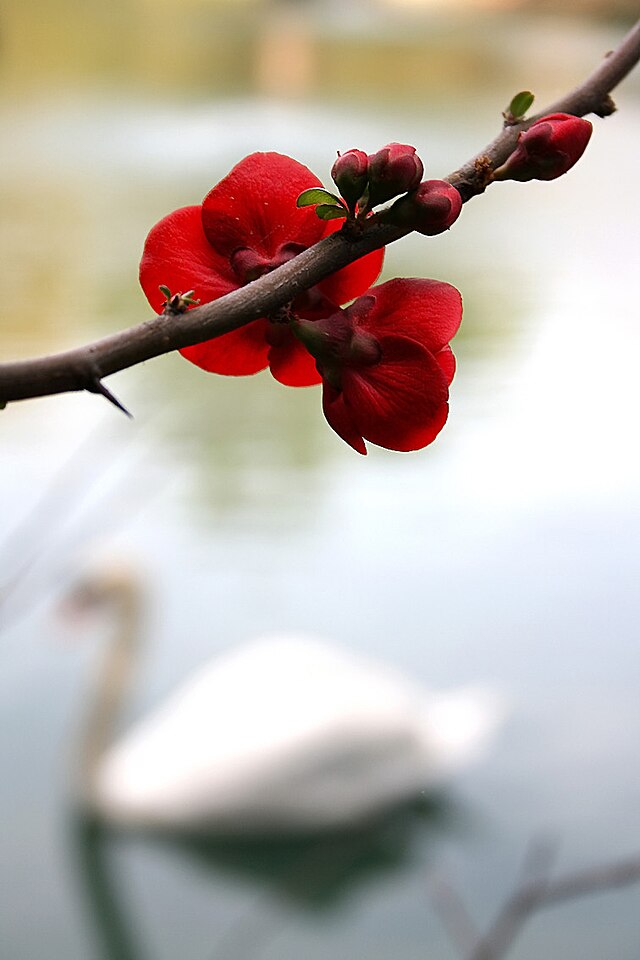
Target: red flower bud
pixel 547 149
pixel 349 173
pixel 430 209
pixel 394 169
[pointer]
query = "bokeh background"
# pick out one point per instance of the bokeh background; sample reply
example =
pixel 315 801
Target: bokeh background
pixel 506 554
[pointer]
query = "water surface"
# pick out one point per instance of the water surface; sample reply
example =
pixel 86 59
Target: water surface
pixel 507 553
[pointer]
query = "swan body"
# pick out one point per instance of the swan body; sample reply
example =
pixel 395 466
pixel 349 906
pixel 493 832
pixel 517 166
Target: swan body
pixel 286 735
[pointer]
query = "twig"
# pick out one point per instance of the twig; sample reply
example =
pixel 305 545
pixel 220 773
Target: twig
pixel 81 368
pixel 453 914
pixel 452 911
pixel 543 892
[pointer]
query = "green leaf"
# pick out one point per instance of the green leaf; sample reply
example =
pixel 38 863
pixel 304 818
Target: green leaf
pixel 331 211
pixel 520 104
pixel 317 195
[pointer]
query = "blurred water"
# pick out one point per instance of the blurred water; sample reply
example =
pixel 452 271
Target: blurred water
pixel 507 552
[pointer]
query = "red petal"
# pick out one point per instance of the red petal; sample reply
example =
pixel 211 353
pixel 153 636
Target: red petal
pixel 447 362
pixel 255 206
pixel 178 255
pixel 340 419
pixel 427 311
pixel 424 434
pixel 353 279
pixel 236 354
pixel 292 364
pixel 401 402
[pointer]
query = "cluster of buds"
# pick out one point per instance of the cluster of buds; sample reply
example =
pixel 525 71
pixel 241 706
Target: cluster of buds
pixel 366 181
pixel 550 147
pixel 378 177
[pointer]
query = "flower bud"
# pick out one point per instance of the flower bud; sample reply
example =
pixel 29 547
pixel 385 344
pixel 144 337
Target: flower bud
pixel 349 173
pixel 394 169
pixel 547 149
pixel 430 209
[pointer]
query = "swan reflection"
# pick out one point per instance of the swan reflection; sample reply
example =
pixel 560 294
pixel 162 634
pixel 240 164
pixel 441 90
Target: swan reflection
pixel 316 872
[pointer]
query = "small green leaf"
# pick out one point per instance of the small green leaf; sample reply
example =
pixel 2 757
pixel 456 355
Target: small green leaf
pixel 3 404
pixel 331 211
pixel 165 291
pixel 520 104
pixel 317 195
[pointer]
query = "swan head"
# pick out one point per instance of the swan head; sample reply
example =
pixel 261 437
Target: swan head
pixel 111 588
pixel 459 725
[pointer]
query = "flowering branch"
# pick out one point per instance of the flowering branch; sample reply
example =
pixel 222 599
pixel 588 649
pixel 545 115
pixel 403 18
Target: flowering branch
pixel 84 368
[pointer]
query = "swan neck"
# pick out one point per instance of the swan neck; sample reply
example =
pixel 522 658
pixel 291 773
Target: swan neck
pixel 114 678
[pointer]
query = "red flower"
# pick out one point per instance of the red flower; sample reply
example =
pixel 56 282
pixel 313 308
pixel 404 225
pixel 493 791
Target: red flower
pixel 386 364
pixel 246 226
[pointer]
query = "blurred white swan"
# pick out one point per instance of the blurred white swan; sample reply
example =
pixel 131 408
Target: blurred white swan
pixel 283 734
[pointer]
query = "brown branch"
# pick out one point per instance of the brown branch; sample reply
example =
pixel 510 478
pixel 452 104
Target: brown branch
pixel 84 368
pixel 541 893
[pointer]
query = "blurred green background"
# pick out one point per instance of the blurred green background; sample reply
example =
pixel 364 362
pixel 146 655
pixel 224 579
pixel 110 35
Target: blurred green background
pixel 505 553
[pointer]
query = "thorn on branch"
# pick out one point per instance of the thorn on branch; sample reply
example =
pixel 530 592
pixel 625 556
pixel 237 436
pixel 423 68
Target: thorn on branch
pixel 96 385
